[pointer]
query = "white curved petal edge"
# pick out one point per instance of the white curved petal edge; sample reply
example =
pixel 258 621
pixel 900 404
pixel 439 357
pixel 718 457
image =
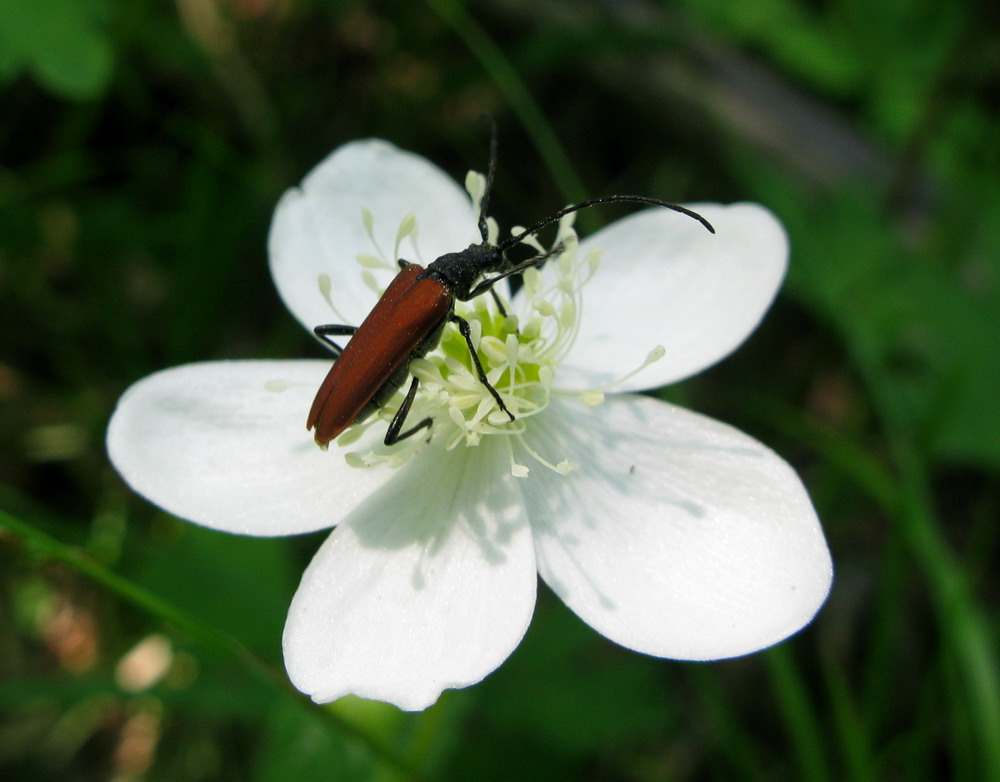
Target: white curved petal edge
pixel 317 228
pixel 419 590
pixel 679 536
pixel 665 280
pixel 224 444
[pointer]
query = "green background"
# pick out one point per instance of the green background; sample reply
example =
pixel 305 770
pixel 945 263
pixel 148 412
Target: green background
pixel 143 146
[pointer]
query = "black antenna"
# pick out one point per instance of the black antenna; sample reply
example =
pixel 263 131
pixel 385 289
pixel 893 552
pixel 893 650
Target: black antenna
pixel 484 204
pixel 508 243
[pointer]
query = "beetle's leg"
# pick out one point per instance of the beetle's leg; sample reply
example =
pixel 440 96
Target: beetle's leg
pixel 500 306
pixel 323 332
pixel 392 435
pixel 463 326
pixel 403 264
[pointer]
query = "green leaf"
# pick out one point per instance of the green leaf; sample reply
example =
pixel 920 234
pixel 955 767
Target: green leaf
pixel 296 745
pixel 931 325
pixel 239 586
pixel 63 43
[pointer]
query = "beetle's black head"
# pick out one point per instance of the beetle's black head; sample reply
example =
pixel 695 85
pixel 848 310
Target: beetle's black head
pixel 459 271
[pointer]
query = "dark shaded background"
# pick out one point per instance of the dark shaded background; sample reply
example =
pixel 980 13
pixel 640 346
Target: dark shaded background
pixel 143 146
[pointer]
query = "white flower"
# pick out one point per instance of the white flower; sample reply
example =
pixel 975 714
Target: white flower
pixel 668 532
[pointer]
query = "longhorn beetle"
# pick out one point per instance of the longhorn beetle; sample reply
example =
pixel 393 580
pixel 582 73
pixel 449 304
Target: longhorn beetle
pixel 409 319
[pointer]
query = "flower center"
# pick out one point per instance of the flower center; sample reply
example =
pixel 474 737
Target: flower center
pixel 519 351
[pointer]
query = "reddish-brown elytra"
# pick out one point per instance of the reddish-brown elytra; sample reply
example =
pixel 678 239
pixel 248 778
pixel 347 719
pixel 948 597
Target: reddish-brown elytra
pixel 408 320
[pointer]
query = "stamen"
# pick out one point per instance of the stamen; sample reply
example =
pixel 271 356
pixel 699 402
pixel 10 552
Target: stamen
pixel 368 221
pixel 325 287
pixel 595 396
pixel 516 469
pixel 476 332
pixel 356 460
pixel 406 227
pixel 651 358
pixel 486 409
pixel 465 401
pixel 492 230
pixel 426 371
pixel 494 351
pixel 371 283
pixel 475 186
pixel 518 353
pixel 563 468
pixel 367 261
pixel 325 290
pixel 531 240
pixel 352 435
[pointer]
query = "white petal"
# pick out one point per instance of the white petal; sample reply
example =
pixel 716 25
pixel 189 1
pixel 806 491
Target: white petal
pixel 429 585
pixel 665 280
pixel 212 443
pixel 676 536
pixel 317 229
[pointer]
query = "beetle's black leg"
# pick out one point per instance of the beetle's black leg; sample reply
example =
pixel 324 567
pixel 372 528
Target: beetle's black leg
pixel 499 303
pixel 323 332
pixel 392 435
pixel 463 326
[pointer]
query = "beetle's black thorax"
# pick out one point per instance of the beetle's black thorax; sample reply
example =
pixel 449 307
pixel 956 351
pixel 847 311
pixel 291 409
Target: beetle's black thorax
pixel 459 271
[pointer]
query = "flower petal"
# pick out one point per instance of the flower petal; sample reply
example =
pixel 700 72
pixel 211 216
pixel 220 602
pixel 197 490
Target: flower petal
pixel 317 228
pixel 665 280
pixel 677 536
pixel 219 444
pixel 430 584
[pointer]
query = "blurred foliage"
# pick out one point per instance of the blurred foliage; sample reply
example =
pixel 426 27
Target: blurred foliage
pixel 63 43
pixel 142 148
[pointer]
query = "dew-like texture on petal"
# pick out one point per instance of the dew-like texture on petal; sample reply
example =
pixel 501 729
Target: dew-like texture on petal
pixel 677 536
pixel 317 228
pixel 427 586
pixel 212 444
pixel 665 280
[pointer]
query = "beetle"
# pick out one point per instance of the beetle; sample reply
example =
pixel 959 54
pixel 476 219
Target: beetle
pixel 408 320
